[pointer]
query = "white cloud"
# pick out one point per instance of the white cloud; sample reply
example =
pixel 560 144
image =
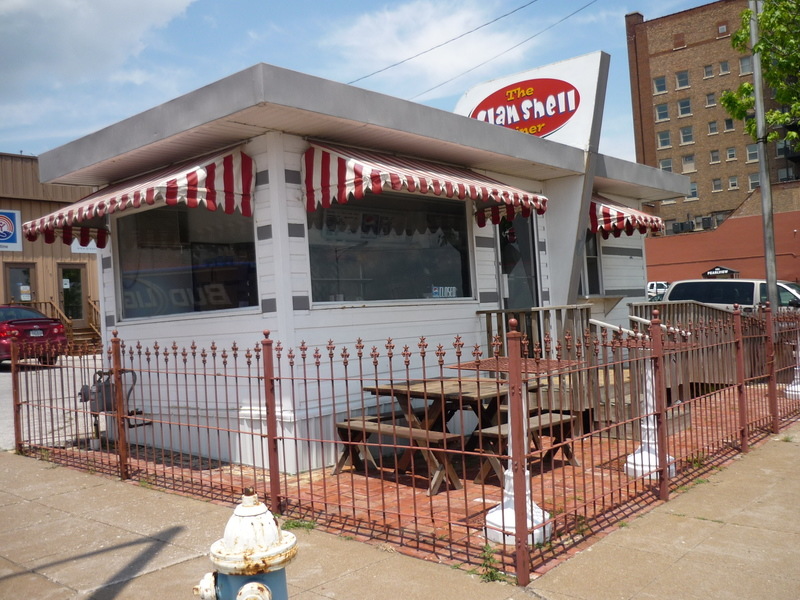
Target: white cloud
pixel 58 42
pixel 376 40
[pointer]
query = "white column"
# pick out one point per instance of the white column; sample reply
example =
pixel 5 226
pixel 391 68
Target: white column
pixel 644 461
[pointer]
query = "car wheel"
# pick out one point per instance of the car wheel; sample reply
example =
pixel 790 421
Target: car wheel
pixel 48 360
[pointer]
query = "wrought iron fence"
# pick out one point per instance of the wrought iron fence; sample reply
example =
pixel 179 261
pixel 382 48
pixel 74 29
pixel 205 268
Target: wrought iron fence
pixel 427 444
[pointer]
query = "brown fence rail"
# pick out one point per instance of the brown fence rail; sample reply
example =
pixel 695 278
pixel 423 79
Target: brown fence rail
pixel 426 445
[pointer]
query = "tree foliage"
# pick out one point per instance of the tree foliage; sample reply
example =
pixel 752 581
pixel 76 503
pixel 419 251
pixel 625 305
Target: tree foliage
pixel 778 46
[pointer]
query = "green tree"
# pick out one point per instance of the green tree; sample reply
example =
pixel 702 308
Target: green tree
pixel 779 48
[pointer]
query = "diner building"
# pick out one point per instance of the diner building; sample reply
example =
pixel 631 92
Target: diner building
pixel 274 200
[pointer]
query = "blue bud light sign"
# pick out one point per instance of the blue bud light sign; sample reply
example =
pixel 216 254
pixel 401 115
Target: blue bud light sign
pixel 10 231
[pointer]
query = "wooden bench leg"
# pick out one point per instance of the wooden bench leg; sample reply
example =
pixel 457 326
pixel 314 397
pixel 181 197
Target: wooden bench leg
pixel 441 469
pixel 354 447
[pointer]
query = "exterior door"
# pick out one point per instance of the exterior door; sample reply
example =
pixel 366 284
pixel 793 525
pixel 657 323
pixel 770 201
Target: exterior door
pixel 73 294
pixel 20 283
pixel 518 263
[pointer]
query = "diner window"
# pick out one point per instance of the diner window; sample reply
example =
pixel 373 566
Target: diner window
pixel 724 67
pixel 665 164
pixel 712 128
pixel 389 248
pixel 733 182
pixel 714 156
pixel 752 152
pixel 753 182
pixel 659 85
pixel 176 259
pixel 591 275
pixel 662 112
pixel 684 107
pixel 664 139
pixel 688 163
pixel 730 153
pixel 687 135
pixel 711 99
pixel 745 65
pixel 682 79
pixel 728 124
pixel 716 185
pixel 708 71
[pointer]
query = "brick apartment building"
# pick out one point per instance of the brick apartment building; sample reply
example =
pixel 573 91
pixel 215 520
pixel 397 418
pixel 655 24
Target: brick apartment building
pixel 680 65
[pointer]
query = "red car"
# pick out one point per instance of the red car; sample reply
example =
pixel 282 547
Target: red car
pixel 39 336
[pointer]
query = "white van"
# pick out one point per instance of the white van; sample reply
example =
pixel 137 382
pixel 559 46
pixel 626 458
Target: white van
pixel 724 293
pixel 656 288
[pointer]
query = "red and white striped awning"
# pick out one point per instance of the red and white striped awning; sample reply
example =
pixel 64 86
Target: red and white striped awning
pixel 223 180
pixel 334 174
pixel 610 218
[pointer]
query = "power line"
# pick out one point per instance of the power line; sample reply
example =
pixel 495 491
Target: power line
pixel 405 60
pixel 525 41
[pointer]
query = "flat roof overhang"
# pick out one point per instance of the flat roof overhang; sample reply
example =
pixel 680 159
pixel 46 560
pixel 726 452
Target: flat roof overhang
pixel 266 98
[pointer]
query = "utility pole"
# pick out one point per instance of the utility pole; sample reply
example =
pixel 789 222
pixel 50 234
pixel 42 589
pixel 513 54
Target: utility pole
pixel 763 171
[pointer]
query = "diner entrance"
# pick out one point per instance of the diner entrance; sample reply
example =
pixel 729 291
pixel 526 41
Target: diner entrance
pixel 518 263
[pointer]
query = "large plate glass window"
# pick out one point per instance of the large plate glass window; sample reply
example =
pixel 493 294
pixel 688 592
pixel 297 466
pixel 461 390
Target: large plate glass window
pixel 389 248
pixel 175 259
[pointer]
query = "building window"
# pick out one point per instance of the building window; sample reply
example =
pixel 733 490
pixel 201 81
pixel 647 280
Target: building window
pixel 722 29
pixel 659 85
pixel 665 164
pixel 730 154
pixel 682 79
pixel 392 248
pixel 712 128
pixel 687 136
pixel 688 163
pixel 752 152
pixel 745 65
pixel 684 107
pixel 714 156
pixel 786 174
pixel 663 139
pixel 716 185
pixel 711 99
pixel 728 124
pixel 782 148
pixel 178 259
pixel 592 279
pixel 708 71
pixel 724 68
pixel 733 182
pixel 752 181
pixel 662 112
pixel 692 191
pixel 678 41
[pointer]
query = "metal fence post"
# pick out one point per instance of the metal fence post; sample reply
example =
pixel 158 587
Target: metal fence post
pixel 272 425
pixel 518 452
pixel 657 358
pixel 772 381
pixel 744 434
pixel 120 410
pixel 16 395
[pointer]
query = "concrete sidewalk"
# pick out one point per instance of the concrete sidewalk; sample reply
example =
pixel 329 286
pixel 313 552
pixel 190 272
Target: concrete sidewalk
pixel 68 534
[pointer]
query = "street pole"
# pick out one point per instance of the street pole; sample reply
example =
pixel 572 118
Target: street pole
pixel 763 171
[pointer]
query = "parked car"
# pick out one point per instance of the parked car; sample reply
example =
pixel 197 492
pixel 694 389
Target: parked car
pixel 654 288
pixel 39 335
pixel 725 293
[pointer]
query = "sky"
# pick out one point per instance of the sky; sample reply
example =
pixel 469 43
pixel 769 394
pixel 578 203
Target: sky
pixel 71 67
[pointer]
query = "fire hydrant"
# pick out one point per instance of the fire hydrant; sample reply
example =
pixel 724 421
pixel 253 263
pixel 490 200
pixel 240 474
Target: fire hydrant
pixel 251 556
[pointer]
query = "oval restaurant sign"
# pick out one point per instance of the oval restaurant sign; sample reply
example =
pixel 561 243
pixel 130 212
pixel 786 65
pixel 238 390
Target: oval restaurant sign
pixel 535 106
